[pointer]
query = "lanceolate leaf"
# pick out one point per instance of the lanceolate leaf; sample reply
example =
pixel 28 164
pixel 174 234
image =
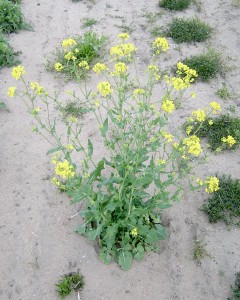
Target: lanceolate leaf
pixel 90 148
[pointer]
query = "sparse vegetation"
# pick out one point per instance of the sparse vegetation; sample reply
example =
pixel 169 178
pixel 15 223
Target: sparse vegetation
pixel 236 288
pixel 207 65
pixel 89 22
pixel 223 92
pixel 175 4
pixel 224 204
pixel 68 283
pixel 199 251
pixel 189 30
pixel 8 57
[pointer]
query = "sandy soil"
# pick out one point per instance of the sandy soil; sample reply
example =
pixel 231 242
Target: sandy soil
pixel 37 240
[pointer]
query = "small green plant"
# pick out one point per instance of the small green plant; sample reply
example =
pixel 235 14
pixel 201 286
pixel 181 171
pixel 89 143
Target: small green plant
pixel 188 30
pixel 156 31
pixel 175 4
pixel 207 65
pixel 152 17
pixel 223 92
pixel 89 22
pixel 236 3
pixel 73 108
pixel 75 56
pixel 222 132
pixel 11 17
pixel 199 251
pixel 144 164
pixel 7 54
pixel 236 288
pixel 68 283
pixel 3 106
pixel 224 204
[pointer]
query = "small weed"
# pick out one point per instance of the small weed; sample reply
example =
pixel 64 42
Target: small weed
pixel 7 55
pixel 207 65
pixel 236 3
pixel 175 4
pixel 189 30
pixel 156 31
pixel 127 28
pixel 68 283
pixel 224 204
pixel 223 92
pixel 152 17
pixel 73 108
pixel 199 251
pixel 220 127
pixel 236 288
pixel 11 17
pixel 73 61
pixel 232 109
pixel 89 22
pixel 3 106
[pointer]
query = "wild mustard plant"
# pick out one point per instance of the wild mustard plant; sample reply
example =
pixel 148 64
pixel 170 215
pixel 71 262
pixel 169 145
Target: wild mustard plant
pixel 142 174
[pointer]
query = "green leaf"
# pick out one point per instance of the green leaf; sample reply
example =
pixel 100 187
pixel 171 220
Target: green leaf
pixel 139 256
pixel 92 234
pixel 105 257
pixel 151 236
pixel 97 172
pixel 105 127
pixel 140 248
pixel 162 234
pixel 54 150
pixel 81 229
pixel 90 148
pixel 125 260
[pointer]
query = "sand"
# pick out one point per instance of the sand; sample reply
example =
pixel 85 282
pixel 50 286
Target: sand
pixel 38 243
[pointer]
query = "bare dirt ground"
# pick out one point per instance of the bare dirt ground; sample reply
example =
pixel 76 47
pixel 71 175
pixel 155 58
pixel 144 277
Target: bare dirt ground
pixel 37 240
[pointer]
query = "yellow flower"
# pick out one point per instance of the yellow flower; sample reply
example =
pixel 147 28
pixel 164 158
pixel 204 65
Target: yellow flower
pixel 123 51
pixel 175 145
pixel 216 107
pixel 199 115
pixel 154 69
pixel 193 144
pixel 73 119
pixel 11 91
pixel 123 36
pixel 189 129
pixel 160 161
pixel 69 147
pixel 218 149
pixel 120 68
pixel 229 140
pixel 64 169
pixel 58 67
pixel 193 95
pixel 134 232
pixel 98 68
pixel 84 64
pixel 199 181
pixel 55 181
pixel 168 106
pixel 18 71
pixel 210 122
pixel 70 56
pixel 37 87
pixel 212 184
pixel 138 92
pixel 167 136
pixel 160 45
pixel 68 43
pixel 97 103
pixel 104 88
pixel 153 139
pixel 35 111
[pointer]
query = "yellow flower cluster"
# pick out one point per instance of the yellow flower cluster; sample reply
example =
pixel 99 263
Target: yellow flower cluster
pixel 124 36
pixel 193 144
pixel 167 136
pixel 64 169
pixel 120 68
pixel 160 45
pixel 70 56
pixel 199 115
pixel 187 76
pixel 73 119
pixel 229 140
pixel 37 87
pixel 84 65
pixel 35 111
pixel 11 91
pixel 68 43
pixel 138 92
pixel 160 161
pixel 98 68
pixel 123 51
pixel 216 107
pixel 134 232
pixel 58 67
pixel 212 184
pixel 104 88
pixel 55 181
pixel 69 147
pixel 168 105
pixel 18 71
pixel 189 129
pixel 155 71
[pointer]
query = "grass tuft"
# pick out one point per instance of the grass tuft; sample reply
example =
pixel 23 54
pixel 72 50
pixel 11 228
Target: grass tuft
pixel 223 92
pixel 199 251
pixel 207 65
pixel 175 4
pixel 8 57
pixel 189 30
pixel 68 283
pixel 89 22
pixel 224 204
